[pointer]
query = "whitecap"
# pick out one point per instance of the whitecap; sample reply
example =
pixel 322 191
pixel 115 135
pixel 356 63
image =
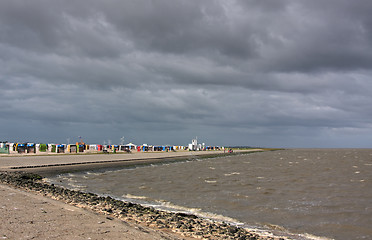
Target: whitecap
pixel 313 237
pixel 77 187
pixel 210 181
pixel 174 207
pixel 165 205
pixel 130 196
pixel 233 173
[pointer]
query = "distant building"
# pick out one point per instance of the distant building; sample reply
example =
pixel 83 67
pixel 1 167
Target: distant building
pixel 4 148
pixel 193 146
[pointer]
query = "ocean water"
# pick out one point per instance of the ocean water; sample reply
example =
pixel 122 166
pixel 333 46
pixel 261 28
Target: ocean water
pixel 309 193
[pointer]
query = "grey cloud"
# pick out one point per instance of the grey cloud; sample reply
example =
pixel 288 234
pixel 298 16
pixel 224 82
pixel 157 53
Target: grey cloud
pixel 27 25
pixel 180 27
pixel 321 36
pixel 237 72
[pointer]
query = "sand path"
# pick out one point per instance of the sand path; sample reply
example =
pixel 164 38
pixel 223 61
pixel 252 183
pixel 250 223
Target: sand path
pixel 25 215
pixel 18 160
pixel 55 163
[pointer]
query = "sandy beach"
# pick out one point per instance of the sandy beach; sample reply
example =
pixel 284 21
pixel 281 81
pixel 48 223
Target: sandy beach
pixel 26 215
pixel 33 209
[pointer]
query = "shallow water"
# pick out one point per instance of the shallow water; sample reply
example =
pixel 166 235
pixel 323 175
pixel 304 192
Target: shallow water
pixel 322 192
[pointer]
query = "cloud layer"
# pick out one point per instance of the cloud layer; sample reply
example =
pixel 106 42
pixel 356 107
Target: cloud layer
pixel 261 73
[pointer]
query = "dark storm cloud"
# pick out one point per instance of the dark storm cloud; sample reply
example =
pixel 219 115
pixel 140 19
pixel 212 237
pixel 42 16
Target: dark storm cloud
pixel 181 27
pixel 318 35
pixel 233 71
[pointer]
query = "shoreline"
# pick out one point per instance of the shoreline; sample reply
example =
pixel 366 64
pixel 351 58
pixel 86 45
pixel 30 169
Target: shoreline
pixel 184 225
pixel 181 224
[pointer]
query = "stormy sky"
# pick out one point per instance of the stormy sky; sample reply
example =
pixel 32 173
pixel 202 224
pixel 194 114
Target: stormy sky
pixel 273 73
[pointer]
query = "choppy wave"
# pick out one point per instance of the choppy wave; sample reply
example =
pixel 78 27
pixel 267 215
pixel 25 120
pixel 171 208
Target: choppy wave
pixel 292 190
pixel 231 174
pixel 130 196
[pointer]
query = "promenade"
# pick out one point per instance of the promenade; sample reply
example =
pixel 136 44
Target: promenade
pixel 27 160
pixel 53 163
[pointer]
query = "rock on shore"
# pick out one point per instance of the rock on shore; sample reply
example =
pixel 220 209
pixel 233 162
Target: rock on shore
pixel 184 224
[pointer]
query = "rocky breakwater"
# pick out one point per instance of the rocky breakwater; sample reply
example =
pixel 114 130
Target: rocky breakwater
pixel 184 224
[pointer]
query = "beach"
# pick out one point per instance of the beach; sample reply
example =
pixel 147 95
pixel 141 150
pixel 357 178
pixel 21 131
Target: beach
pixel 33 208
pixel 26 215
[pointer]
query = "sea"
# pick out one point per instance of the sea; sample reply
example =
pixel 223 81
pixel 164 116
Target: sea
pixel 299 193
